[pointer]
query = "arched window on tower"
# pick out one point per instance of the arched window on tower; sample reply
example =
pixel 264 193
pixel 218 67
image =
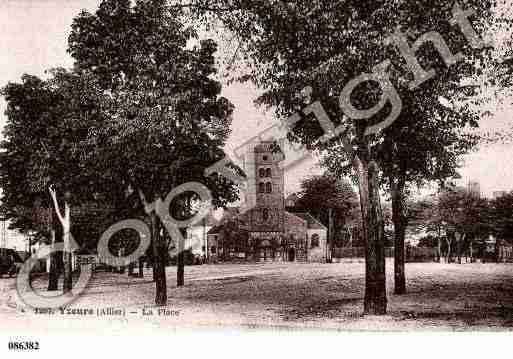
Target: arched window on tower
pixel 268 172
pixel 261 187
pixel 268 187
pixel 265 214
pixel 261 172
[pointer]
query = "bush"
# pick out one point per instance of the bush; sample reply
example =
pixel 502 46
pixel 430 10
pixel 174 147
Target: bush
pixel 189 259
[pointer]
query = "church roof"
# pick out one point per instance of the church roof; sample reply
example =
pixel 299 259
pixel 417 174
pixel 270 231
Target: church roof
pixel 264 146
pixel 292 197
pixel 268 146
pixel 310 220
pixel 230 212
pixel 215 229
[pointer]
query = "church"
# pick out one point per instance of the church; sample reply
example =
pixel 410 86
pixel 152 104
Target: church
pixel 261 230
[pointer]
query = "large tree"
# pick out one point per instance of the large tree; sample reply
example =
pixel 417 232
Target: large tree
pixel 325 45
pixel 26 101
pixel 330 200
pixel 25 208
pixel 46 148
pixel 501 217
pixel 468 218
pixel 421 146
pixel 460 217
pixel 167 121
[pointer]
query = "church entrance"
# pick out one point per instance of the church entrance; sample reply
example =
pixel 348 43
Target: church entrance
pixel 266 251
pixel 266 254
pixel 292 254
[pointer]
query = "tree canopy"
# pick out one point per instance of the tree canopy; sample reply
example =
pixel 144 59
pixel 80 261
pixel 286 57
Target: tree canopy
pixel 46 141
pixel 325 46
pixel 167 121
pixel 325 194
pixel 501 217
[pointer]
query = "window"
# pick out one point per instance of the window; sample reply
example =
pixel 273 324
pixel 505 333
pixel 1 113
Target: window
pixel 268 187
pixel 315 241
pixel 265 158
pixel 268 172
pixel 261 173
pixel 265 214
pixel 261 187
pixel 213 249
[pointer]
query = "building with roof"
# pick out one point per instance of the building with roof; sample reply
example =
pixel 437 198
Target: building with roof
pixel 499 194
pixel 262 229
pixel 474 188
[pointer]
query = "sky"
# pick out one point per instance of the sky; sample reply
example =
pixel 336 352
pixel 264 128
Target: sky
pixel 33 38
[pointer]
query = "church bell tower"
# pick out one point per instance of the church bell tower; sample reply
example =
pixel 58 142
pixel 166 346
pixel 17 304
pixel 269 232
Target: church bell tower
pixel 267 214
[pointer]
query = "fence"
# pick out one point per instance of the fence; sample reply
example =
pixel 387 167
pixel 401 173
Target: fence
pixel 412 254
pixel 505 254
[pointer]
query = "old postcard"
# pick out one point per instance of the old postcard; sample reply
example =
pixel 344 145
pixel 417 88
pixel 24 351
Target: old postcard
pixel 253 165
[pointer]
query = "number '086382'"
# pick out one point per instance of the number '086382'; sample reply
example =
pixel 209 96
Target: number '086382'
pixel 23 345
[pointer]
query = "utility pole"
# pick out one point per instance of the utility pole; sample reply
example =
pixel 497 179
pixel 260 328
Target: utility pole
pixel 205 238
pixel 329 239
pixel 3 237
pixel 4 234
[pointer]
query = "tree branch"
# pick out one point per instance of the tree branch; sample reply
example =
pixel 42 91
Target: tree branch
pixel 53 194
pixel 205 7
pixel 148 208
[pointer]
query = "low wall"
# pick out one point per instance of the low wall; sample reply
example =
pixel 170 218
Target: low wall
pixel 412 254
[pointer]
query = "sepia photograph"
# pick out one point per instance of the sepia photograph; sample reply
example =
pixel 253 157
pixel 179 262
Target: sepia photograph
pixel 320 168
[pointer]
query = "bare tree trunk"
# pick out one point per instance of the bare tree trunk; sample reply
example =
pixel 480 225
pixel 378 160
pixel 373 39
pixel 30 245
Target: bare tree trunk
pixel 66 238
pixel 400 223
pixel 159 269
pixel 471 249
pixel 459 239
pixel 31 273
pixel 154 273
pixel 448 254
pixel 68 270
pixel 180 261
pixel 440 257
pixel 131 268
pixel 375 301
pixel 330 235
pixel 458 249
pixel 141 268
pixel 180 258
pixel 121 269
pixel 53 275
